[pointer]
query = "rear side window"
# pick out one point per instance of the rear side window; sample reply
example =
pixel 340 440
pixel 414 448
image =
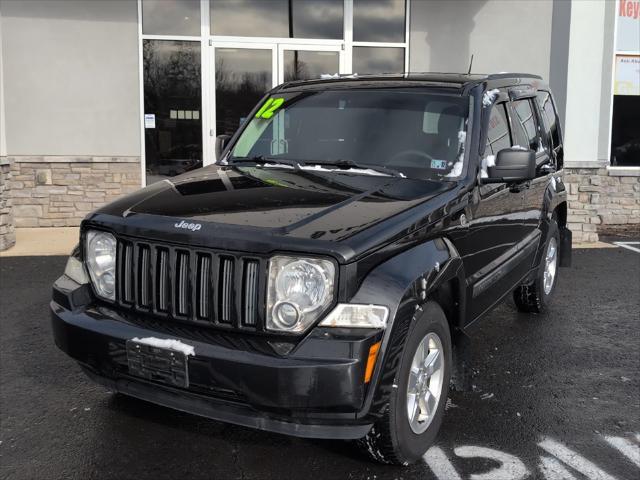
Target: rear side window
pixel 524 125
pixel 549 117
pixel 498 137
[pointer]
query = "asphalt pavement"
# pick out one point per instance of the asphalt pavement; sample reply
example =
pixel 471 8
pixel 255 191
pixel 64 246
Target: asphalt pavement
pixel 555 396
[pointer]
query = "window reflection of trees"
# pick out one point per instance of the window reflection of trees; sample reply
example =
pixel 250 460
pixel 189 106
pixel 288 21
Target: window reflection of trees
pixel 237 92
pixel 171 76
pixel 297 70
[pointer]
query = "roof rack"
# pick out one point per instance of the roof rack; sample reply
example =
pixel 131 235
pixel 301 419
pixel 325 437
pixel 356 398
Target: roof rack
pixel 497 76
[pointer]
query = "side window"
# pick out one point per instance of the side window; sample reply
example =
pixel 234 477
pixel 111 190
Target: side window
pixel 524 125
pixel 549 116
pixel 498 136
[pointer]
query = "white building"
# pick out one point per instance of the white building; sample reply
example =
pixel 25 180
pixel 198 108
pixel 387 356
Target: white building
pixel 100 97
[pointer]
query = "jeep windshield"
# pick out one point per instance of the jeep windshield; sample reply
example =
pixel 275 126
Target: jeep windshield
pixel 411 133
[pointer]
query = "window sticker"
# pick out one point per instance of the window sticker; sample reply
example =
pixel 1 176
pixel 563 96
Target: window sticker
pixel 149 120
pixel 269 108
pixel 438 164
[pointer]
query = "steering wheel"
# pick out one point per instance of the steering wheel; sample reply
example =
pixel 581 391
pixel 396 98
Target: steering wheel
pixel 418 156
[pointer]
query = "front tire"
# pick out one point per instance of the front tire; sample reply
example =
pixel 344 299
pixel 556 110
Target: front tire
pixel 417 402
pixel 535 297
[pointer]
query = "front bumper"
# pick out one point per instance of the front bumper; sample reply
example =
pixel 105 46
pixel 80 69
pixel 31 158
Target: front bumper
pixel 315 390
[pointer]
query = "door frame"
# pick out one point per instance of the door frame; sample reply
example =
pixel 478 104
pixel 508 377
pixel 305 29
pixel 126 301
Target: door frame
pixel 277 47
pixel 210 135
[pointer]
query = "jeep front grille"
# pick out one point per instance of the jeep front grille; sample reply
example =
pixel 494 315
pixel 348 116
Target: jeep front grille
pixel 205 287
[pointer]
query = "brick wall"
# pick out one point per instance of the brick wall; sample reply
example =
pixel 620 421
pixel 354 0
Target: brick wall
pixel 7 231
pixel 61 191
pixel 602 201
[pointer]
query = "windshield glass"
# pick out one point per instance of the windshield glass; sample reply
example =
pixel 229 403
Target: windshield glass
pixel 417 133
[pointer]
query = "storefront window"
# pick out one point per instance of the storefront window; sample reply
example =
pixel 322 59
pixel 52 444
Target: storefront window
pixel 625 122
pixel 303 65
pixel 379 21
pixel 171 17
pixel 322 19
pixel 172 107
pixel 368 60
pixel 625 134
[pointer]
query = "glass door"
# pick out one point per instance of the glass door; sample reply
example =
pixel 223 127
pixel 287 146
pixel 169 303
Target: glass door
pixel 244 71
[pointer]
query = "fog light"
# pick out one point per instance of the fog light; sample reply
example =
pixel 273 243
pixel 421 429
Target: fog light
pixel 108 283
pixel 286 315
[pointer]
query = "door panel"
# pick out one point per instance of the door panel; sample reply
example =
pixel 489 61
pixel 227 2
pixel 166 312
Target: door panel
pixel 490 241
pixel 529 133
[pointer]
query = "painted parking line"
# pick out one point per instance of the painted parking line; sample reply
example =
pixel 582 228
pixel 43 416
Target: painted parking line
pixel 629 246
pixel 557 462
pixel 628 449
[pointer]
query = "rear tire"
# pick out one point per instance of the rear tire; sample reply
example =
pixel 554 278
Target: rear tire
pixel 535 297
pixel 394 439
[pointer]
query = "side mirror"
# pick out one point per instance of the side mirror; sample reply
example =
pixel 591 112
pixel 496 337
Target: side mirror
pixel 221 143
pixel 512 165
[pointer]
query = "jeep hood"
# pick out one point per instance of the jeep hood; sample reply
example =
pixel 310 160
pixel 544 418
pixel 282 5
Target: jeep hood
pixel 275 203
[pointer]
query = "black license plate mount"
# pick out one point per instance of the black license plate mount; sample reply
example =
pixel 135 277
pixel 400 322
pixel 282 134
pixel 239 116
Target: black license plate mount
pixel 158 364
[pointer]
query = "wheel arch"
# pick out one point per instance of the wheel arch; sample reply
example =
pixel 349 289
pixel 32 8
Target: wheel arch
pixel 429 272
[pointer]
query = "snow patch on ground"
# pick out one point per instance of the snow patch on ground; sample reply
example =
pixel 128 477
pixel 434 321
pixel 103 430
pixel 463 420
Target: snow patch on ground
pixel 168 343
pixel 462 136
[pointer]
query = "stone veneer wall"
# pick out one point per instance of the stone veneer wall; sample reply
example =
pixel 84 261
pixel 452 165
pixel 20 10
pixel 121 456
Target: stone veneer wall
pixel 61 191
pixel 7 231
pixel 602 200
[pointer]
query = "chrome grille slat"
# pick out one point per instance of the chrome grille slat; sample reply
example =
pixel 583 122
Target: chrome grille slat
pixel 226 299
pixel 128 273
pixel 182 285
pixel 203 286
pixel 250 294
pixel 143 276
pixel 163 275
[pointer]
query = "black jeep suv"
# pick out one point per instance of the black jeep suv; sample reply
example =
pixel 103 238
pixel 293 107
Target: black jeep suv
pixel 316 280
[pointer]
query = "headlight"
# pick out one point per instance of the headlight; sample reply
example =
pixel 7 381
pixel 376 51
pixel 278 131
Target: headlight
pixel 101 262
pixel 300 289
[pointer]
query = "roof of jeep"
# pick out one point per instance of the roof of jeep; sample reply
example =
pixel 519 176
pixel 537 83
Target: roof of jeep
pixel 455 81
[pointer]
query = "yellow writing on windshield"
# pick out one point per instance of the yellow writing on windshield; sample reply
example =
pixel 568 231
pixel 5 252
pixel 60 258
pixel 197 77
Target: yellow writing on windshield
pixel 269 108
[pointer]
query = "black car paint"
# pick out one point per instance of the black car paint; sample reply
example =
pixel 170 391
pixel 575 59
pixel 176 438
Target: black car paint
pixel 397 242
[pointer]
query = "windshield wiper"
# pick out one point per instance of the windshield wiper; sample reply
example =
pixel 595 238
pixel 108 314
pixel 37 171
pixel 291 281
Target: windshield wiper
pixel 346 164
pixel 261 159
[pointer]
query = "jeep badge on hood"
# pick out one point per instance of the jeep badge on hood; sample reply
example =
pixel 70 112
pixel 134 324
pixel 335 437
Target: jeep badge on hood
pixel 194 227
